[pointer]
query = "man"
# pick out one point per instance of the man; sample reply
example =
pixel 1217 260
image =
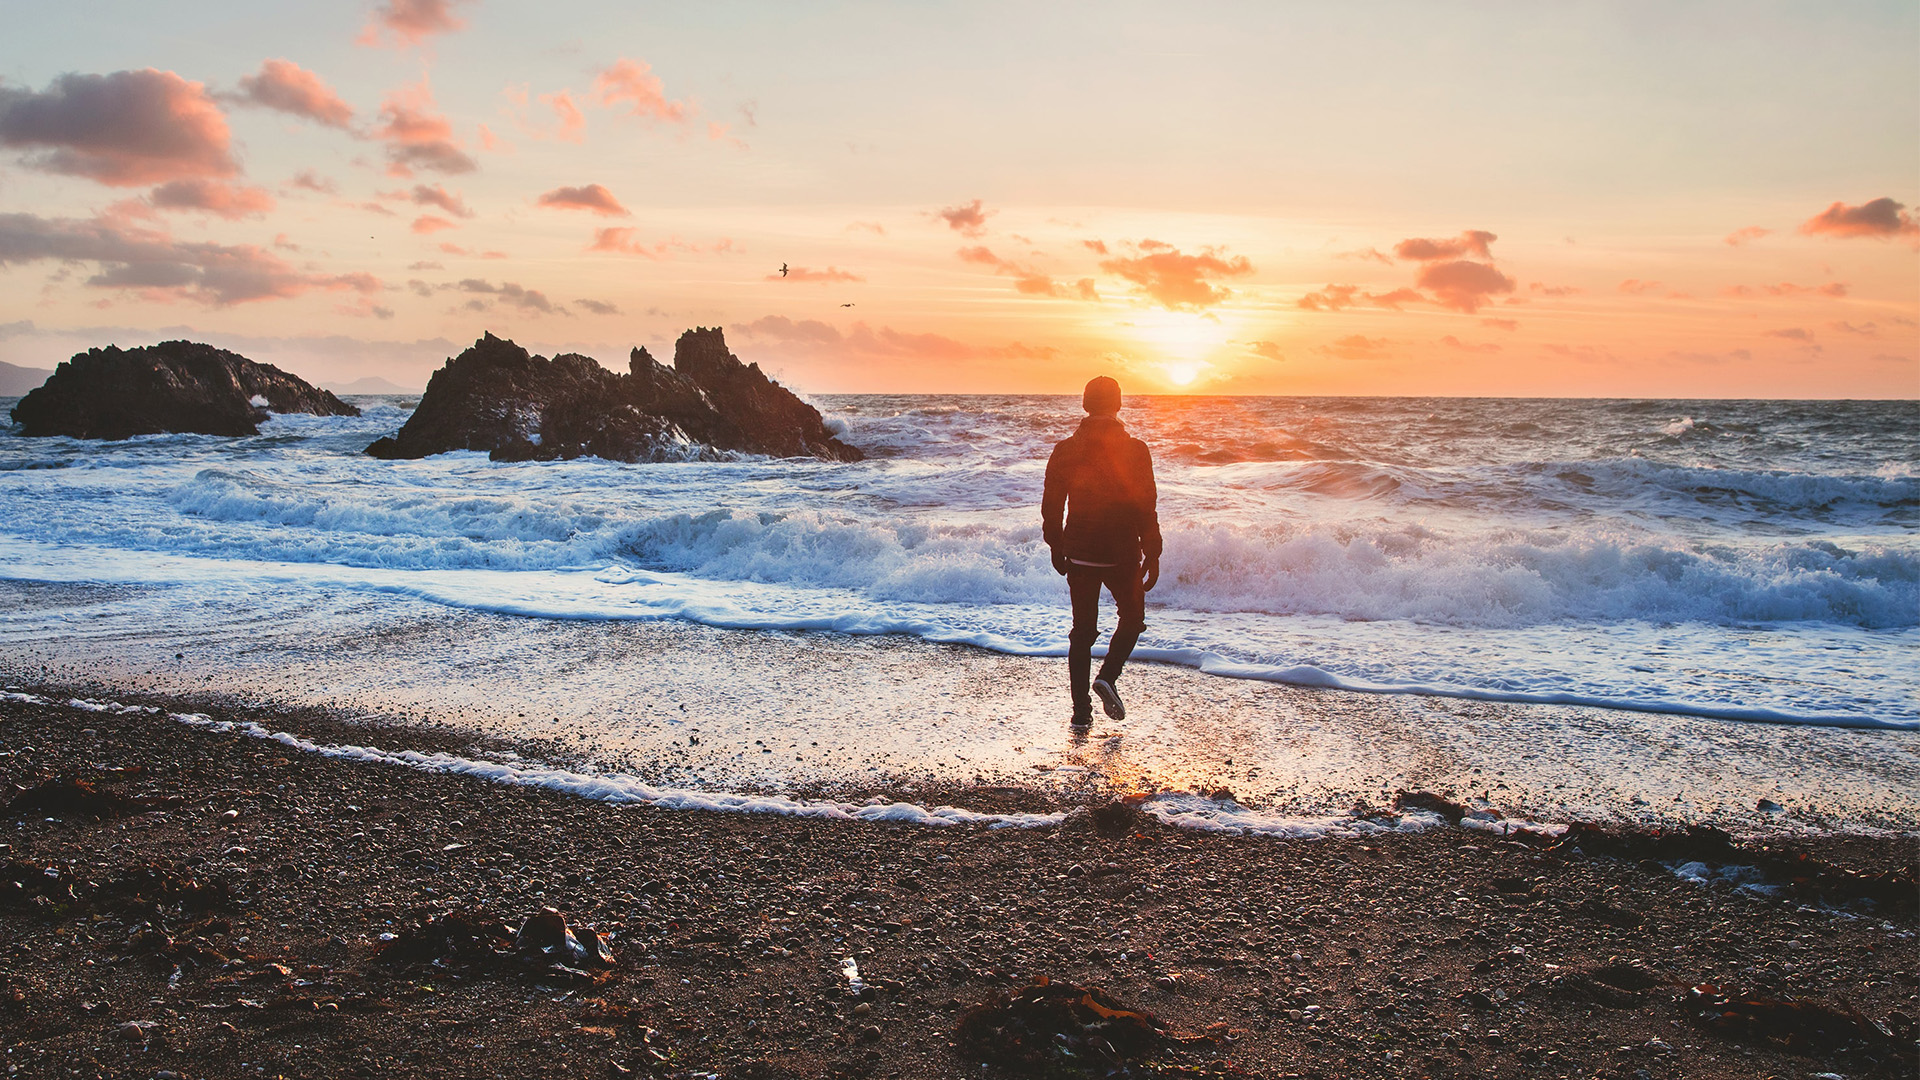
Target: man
pixel 1100 480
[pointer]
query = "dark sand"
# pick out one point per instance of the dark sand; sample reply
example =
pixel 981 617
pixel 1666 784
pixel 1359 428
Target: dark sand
pixel 1444 953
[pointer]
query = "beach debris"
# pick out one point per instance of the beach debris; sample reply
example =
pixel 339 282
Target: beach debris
pixel 479 941
pixel 1431 803
pixel 1707 853
pixel 850 971
pixel 72 797
pixel 546 932
pixel 1117 818
pixel 1803 1026
pixel 1058 1029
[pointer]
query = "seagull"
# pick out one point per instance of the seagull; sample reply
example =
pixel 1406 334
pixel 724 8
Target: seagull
pixel 846 305
pixel 783 269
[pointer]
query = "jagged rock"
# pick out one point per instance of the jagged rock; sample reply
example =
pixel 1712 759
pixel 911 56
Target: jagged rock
pixel 175 386
pixel 516 406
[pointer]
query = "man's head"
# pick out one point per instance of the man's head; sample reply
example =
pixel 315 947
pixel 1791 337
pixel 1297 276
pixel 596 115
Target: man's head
pixel 1102 397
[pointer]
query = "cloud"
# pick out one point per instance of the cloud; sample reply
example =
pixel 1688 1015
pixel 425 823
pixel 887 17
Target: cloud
pixel 409 22
pixel 573 123
pixel 1741 236
pixel 427 224
pixel 592 197
pixel 632 84
pixel 165 269
pixel 823 277
pixel 1269 350
pixel 625 241
pixel 1356 347
pixel 1586 354
pixel 491 143
pixel 1462 285
pixel 1331 298
pixel 1786 288
pixel 425 265
pixel 1395 298
pixel 1471 242
pixel 1175 280
pixel 439 196
pixel 225 200
pixel 1452 342
pixel 308 180
pixel 1501 324
pixel 1741 355
pixel 1098 247
pixel 1869 330
pixel 1793 333
pixel 508 292
pixel 1636 287
pixel 417 137
pixel 1553 290
pixel 1028 281
pixel 125 129
pixel 873 227
pixel 1880 218
pixel 599 307
pixel 290 88
pixel 861 341
pixel 967 219
pixel 1374 254
pixel 376 208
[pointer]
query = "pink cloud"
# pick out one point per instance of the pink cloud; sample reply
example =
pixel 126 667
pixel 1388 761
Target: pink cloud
pixel 1471 242
pixel 1462 285
pixel 1880 218
pixel 1098 247
pixel 573 123
pixel 1372 254
pixel 1027 280
pixel 308 180
pixel 1637 287
pixel 126 129
pixel 1267 350
pixel 1786 288
pixel 417 136
pixel 290 88
pixel 1868 330
pixel 873 227
pixel 1741 236
pixel 160 268
pixel 439 196
pixel 1452 342
pixel 427 224
pixel 626 241
pixel 1501 324
pixel 822 277
pixel 631 83
pixel 511 293
pixel 1395 299
pixel 1553 290
pixel 410 22
pixel 1791 334
pixel 1331 298
pixel 1175 280
pixel 1356 347
pixel 224 200
pixel 493 144
pixel 967 219
pixel 592 198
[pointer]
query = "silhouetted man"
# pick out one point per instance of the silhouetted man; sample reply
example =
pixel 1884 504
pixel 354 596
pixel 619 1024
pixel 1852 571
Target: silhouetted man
pixel 1100 481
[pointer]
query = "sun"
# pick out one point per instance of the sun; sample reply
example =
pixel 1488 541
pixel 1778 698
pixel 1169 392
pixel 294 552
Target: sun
pixel 1182 374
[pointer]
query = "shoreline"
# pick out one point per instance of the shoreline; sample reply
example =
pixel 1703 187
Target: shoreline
pixel 1440 952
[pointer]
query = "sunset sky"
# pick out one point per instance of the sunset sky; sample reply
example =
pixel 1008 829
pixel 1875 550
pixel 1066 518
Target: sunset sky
pixel 1603 199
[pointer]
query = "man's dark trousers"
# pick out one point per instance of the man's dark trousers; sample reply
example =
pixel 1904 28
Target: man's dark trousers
pixel 1083 586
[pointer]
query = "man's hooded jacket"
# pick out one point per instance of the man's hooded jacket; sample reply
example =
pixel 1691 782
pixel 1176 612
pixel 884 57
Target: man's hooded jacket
pixel 1098 505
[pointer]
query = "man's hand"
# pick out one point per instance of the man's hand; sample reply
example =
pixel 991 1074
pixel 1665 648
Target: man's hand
pixel 1152 575
pixel 1059 561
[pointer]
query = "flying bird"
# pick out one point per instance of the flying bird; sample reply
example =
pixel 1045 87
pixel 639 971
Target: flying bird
pixel 846 305
pixel 783 269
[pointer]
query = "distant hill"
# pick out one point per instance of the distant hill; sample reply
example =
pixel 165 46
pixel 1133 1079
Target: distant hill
pixel 19 381
pixel 372 384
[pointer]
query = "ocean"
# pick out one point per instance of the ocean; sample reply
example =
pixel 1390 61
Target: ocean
pixel 1744 560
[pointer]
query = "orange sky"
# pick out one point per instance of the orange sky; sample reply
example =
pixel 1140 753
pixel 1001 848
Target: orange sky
pixel 1581 200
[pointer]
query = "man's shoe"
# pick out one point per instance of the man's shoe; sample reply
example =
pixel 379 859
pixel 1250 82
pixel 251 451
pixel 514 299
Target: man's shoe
pixel 1109 699
pixel 1082 716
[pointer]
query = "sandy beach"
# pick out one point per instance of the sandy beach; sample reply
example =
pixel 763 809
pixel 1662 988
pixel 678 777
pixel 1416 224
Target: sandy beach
pixel 229 913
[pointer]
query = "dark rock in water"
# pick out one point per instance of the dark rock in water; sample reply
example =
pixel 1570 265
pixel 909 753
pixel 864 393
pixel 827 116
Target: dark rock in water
pixel 175 386
pixel 516 406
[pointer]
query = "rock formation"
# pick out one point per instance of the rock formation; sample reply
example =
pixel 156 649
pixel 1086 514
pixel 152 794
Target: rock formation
pixel 175 386
pixel 519 407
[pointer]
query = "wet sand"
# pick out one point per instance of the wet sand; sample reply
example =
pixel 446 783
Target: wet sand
pixel 694 706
